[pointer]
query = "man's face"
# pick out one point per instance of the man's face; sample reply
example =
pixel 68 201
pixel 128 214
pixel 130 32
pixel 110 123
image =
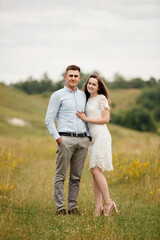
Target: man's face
pixel 72 79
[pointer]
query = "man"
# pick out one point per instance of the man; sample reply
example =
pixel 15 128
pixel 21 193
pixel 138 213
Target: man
pixel 72 138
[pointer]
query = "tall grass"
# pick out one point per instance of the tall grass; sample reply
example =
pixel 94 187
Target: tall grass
pixel 27 210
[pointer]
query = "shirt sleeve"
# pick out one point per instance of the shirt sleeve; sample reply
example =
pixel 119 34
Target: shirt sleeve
pixel 53 108
pixel 103 103
pixel 86 123
pixel 87 129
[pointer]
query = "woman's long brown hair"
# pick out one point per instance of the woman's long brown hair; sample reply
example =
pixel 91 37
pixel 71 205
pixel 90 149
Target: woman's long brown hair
pixel 102 88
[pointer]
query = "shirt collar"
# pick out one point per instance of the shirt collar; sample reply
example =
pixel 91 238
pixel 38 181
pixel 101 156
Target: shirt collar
pixel 69 90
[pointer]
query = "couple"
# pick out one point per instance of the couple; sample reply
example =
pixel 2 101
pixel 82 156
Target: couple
pixel 73 137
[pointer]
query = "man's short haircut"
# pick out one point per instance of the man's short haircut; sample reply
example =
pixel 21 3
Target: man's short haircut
pixel 73 67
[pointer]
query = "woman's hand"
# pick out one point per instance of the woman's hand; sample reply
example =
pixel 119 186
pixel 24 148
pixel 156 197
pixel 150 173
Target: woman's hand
pixel 102 120
pixel 81 115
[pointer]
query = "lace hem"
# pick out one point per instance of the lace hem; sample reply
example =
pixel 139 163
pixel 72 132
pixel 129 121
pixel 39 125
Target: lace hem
pixel 101 166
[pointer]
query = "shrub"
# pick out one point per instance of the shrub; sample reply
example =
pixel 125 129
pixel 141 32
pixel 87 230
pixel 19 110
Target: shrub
pixel 140 119
pixel 136 118
pixel 113 105
pixel 151 96
pixel 157 113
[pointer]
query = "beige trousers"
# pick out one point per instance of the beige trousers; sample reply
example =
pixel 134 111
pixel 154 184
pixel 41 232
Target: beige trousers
pixel 73 151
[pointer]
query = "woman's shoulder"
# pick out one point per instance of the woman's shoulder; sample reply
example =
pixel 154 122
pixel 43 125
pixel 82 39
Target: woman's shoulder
pixel 103 102
pixel 101 96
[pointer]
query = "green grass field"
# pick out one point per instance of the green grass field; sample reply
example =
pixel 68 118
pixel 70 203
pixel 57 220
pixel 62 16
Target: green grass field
pixel 27 167
pixel 123 99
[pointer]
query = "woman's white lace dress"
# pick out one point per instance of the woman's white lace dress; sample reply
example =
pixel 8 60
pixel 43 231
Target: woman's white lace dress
pixel 100 153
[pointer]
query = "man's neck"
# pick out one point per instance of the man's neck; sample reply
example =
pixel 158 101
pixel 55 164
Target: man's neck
pixel 74 89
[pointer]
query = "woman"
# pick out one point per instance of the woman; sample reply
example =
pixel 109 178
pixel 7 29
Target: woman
pixel 100 156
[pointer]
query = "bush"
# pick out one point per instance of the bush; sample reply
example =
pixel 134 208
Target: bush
pixel 113 105
pixel 152 95
pixel 136 118
pixel 157 113
pixel 140 119
pixel 146 103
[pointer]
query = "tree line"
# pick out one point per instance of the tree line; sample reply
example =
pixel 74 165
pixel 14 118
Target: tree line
pixel 46 84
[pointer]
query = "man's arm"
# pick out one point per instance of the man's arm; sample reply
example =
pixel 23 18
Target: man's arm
pixel 53 108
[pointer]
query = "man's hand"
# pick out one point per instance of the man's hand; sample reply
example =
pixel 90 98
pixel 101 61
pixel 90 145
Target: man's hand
pixel 59 141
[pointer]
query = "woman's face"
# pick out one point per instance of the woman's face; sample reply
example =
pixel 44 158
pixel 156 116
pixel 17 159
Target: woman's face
pixel 92 86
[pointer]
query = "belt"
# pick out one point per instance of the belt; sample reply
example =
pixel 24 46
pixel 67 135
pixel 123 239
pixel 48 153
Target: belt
pixel 73 134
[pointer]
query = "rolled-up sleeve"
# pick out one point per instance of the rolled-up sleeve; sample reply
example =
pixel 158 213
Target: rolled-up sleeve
pixel 53 108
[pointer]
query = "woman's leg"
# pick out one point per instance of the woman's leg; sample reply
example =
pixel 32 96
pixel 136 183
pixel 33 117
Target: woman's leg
pixel 97 195
pixel 100 183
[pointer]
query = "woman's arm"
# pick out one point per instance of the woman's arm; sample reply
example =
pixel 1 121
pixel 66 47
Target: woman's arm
pixel 103 120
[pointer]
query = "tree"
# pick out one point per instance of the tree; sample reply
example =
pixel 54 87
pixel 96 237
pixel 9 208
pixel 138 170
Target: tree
pixel 137 83
pixel 32 86
pixel 118 82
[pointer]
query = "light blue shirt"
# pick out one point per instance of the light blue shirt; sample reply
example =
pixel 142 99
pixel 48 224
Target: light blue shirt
pixel 63 106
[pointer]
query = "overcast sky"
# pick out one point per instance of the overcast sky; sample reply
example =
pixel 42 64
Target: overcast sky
pixel 109 36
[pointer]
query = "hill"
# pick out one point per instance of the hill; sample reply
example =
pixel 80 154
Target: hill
pixel 17 104
pixel 32 108
pixel 123 99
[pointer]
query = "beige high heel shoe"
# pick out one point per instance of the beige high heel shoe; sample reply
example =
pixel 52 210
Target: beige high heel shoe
pixel 108 209
pixel 98 211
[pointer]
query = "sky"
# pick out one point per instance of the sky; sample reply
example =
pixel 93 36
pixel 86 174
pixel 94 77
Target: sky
pixel 109 36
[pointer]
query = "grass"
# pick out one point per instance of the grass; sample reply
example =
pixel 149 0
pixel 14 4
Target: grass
pixel 28 210
pixel 123 99
pixel 27 169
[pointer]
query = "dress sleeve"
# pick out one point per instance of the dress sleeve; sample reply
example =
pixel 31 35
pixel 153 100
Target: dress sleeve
pixel 103 103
